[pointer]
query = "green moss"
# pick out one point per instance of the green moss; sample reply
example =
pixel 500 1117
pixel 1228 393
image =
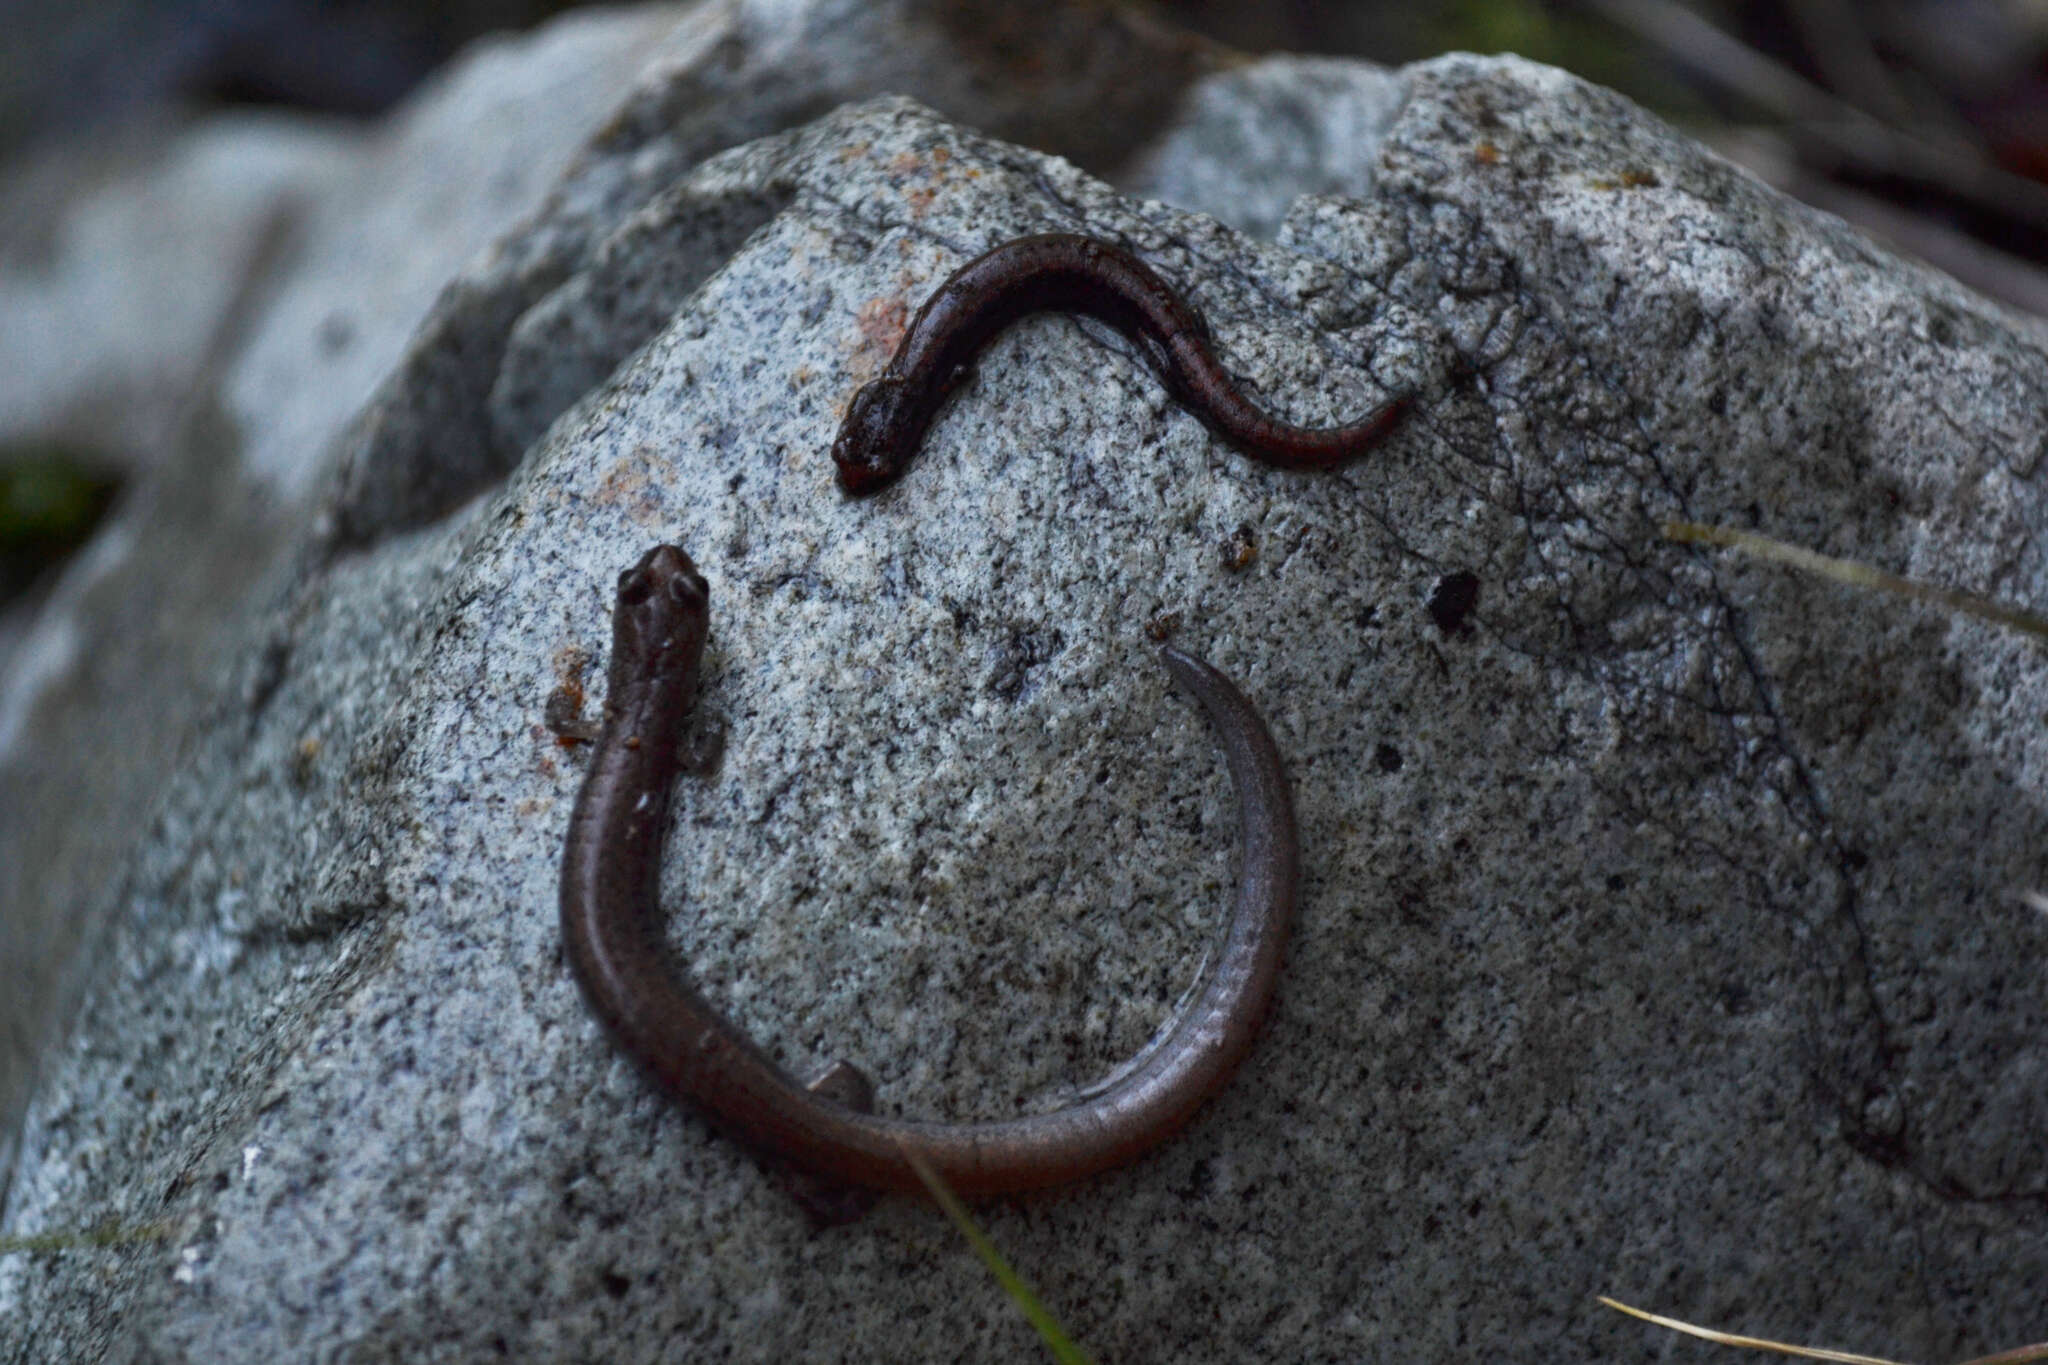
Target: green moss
pixel 50 500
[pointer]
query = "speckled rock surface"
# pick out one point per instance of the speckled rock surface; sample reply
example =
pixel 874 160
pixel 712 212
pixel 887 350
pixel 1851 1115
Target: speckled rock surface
pixel 1090 82
pixel 303 323
pixel 1660 929
pixel 338 243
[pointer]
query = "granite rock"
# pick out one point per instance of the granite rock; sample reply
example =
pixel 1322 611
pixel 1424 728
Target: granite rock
pixel 1662 932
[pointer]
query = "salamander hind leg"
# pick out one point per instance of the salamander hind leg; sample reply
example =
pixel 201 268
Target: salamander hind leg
pixel 827 1203
pixel 844 1083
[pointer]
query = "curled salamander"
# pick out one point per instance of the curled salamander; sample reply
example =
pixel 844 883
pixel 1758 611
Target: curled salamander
pixel 612 935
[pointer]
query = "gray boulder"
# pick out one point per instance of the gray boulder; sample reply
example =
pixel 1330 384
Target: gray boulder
pixel 1662 931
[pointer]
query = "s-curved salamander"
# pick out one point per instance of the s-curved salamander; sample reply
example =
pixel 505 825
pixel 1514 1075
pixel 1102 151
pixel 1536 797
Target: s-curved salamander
pixel 1064 272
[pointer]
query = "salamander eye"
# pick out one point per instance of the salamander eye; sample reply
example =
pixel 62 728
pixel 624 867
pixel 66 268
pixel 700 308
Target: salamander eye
pixel 682 588
pixel 633 588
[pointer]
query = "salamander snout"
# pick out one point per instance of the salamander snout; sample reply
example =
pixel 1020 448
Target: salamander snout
pixel 870 448
pixel 664 571
pixel 662 618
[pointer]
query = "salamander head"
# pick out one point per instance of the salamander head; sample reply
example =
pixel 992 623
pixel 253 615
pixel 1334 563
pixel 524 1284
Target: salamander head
pixel 661 620
pixel 879 434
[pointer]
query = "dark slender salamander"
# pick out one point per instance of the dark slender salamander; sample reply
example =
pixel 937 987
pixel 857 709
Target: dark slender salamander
pixel 612 932
pixel 1064 272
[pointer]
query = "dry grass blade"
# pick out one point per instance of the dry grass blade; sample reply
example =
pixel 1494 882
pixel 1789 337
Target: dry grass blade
pixel 2017 1356
pixel 1860 575
pixel 1752 1343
